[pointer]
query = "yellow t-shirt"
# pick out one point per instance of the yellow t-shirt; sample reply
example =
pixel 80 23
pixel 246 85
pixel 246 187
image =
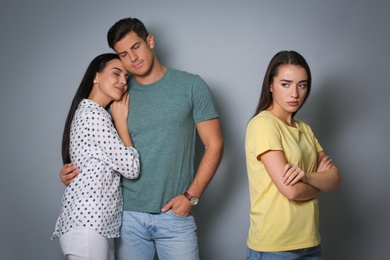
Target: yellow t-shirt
pixel 277 223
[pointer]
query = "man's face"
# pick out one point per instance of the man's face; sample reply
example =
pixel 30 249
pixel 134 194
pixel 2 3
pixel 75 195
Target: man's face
pixel 136 54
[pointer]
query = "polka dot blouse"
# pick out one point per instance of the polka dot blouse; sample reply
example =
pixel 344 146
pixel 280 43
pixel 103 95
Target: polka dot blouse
pixel 94 197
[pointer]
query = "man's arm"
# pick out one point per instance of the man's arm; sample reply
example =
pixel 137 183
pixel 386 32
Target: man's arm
pixel 211 136
pixel 68 173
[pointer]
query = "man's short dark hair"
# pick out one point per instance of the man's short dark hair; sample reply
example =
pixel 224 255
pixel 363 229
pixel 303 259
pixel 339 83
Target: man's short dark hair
pixel 124 26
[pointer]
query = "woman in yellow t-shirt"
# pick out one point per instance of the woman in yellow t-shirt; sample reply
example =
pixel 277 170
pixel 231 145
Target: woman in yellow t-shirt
pixel 287 167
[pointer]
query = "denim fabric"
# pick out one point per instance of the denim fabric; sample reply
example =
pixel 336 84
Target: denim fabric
pixel 173 237
pixel 311 253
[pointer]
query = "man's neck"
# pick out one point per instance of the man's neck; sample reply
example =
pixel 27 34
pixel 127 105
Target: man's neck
pixel 154 75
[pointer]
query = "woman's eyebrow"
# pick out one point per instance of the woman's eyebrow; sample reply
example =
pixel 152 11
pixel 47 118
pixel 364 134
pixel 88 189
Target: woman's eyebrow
pixel 115 68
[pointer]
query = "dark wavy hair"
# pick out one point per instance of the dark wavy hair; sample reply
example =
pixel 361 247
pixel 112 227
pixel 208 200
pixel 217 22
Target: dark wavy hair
pixel 97 65
pixel 281 58
pixel 124 26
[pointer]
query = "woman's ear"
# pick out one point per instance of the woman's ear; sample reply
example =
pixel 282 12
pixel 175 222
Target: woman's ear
pixel 271 88
pixel 95 80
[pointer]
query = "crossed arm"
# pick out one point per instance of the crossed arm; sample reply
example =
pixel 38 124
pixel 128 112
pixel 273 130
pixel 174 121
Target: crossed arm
pixel 294 183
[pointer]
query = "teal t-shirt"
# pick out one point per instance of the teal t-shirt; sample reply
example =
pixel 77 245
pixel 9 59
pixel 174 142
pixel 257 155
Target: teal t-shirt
pixel 162 120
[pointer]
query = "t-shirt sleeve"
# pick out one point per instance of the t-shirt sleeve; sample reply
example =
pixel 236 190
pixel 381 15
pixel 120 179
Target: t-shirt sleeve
pixel 202 100
pixel 262 135
pixel 105 145
pixel 315 141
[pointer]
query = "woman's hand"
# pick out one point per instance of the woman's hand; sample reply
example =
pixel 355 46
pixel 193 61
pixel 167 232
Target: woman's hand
pixel 120 109
pixel 292 174
pixel 324 162
pixel 68 173
pixel 119 112
pixel 327 176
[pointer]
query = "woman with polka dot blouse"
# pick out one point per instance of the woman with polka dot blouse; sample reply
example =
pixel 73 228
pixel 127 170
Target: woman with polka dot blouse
pixel 91 210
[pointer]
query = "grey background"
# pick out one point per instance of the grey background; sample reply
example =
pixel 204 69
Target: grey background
pixel 47 45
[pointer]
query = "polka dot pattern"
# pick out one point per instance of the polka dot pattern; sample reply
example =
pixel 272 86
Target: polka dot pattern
pixel 94 198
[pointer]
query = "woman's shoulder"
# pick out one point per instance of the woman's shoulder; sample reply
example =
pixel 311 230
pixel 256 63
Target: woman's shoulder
pixel 89 110
pixel 262 117
pixel 302 125
pixel 263 120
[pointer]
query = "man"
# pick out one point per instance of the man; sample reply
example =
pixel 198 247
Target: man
pixel 167 108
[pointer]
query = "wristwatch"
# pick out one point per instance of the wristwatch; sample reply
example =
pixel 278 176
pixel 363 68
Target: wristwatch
pixel 193 200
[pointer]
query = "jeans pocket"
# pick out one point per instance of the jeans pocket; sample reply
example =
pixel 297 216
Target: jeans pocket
pixel 177 215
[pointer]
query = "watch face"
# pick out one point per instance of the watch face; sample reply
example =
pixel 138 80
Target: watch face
pixel 194 201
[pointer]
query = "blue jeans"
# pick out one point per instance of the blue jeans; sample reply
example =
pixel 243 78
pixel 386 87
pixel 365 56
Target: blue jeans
pixel 311 253
pixel 172 236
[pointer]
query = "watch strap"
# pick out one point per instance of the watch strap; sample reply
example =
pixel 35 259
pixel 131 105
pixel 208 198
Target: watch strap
pixel 193 200
pixel 187 195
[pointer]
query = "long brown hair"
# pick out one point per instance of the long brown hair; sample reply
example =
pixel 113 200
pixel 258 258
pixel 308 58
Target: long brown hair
pixel 85 88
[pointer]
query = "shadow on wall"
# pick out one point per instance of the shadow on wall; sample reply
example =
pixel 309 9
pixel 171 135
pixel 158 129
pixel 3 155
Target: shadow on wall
pixel 327 113
pixel 219 196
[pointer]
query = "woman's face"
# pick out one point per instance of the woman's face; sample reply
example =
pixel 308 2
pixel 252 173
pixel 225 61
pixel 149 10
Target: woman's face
pixel 289 88
pixel 111 82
